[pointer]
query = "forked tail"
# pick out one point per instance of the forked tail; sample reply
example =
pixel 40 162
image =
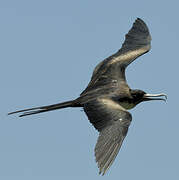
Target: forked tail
pixel 36 110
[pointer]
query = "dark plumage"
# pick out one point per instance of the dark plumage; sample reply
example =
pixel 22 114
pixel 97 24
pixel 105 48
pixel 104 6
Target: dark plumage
pixel 108 96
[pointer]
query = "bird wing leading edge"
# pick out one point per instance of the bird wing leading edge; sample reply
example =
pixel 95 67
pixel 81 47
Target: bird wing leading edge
pixel 137 42
pixel 112 122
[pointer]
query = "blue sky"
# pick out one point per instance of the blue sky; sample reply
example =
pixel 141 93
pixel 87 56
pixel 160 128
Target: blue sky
pixel 48 52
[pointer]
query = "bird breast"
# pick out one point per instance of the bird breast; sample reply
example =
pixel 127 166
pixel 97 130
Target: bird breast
pixel 127 105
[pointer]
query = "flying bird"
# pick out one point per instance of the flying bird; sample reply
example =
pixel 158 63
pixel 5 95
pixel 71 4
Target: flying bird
pixel 107 97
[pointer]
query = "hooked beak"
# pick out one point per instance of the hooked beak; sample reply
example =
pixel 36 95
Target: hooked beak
pixel 149 97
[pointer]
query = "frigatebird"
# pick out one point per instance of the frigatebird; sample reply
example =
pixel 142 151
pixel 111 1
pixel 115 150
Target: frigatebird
pixel 107 97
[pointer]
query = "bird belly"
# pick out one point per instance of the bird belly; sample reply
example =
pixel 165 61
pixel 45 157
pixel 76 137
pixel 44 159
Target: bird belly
pixel 127 105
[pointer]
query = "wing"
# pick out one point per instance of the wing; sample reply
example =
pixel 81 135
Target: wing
pixel 137 42
pixel 112 121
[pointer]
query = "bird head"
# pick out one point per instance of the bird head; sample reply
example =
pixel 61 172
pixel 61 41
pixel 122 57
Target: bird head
pixel 139 96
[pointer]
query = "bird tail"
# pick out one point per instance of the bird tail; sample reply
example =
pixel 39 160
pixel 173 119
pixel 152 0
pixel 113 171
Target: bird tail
pixel 36 110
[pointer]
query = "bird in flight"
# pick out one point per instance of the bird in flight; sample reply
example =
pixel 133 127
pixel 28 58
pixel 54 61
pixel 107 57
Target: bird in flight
pixel 107 97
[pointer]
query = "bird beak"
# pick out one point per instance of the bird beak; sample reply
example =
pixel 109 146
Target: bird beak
pixel 149 97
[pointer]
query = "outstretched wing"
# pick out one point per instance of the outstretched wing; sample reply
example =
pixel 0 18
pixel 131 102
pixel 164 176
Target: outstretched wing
pixel 112 121
pixel 137 42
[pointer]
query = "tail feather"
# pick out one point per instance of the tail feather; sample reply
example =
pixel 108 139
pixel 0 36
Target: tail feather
pixel 36 110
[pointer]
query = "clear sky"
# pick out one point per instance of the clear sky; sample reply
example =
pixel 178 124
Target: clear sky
pixel 48 50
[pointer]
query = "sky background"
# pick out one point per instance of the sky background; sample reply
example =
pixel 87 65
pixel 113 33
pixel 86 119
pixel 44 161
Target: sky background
pixel 48 50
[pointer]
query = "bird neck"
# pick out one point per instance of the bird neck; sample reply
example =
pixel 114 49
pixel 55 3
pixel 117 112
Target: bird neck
pixel 127 102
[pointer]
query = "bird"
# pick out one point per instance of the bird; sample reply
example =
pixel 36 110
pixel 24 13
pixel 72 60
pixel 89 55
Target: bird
pixel 107 98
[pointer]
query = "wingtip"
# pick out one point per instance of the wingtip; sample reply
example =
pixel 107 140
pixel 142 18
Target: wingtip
pixel 101 172
pixel 139 19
